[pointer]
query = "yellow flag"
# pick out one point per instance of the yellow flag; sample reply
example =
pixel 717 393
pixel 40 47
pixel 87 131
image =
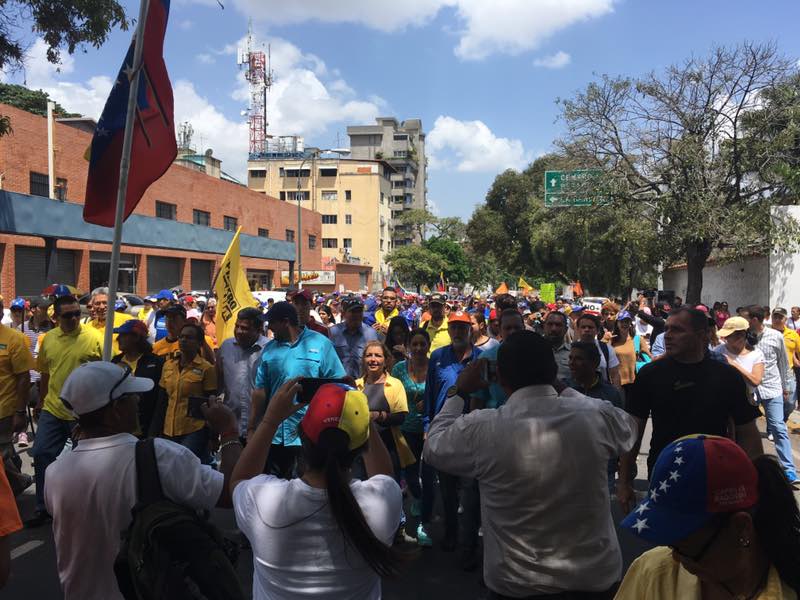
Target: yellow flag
pixel 523 285
pixel 233 292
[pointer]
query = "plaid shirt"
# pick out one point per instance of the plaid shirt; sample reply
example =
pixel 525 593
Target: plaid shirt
pixel 776 364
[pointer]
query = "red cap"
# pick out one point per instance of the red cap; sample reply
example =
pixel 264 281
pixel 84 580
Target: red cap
pixel 338 406
pixel 188 299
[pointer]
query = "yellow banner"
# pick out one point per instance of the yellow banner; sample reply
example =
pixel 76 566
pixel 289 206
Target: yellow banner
pixel 233 292
pixel 548 292
pixel 523 285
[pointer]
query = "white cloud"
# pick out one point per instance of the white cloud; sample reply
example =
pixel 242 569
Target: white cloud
pixel 470 146
pixel 205 58
pixel 484 28
pixel 86 98
pixel 553 61
pixel 186 24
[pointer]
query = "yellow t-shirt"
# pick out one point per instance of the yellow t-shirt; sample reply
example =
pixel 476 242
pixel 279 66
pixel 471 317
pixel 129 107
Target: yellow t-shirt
pixel 792 340
pixel 119 319
pixel 380 318
pixel 59 355
pixel 197 379
pixel 439 335
pixel 655 574
pixel 169 350
pixel 15 359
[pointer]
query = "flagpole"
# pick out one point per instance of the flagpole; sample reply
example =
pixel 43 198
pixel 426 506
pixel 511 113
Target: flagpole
pixel 124 167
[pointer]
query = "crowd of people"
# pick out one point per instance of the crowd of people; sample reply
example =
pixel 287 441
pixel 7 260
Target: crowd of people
pixel 331 423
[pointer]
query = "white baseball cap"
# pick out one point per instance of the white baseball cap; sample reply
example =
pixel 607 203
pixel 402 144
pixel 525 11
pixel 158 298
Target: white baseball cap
pixel 94 385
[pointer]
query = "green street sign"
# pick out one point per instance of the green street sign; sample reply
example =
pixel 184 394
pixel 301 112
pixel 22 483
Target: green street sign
pixel 571 188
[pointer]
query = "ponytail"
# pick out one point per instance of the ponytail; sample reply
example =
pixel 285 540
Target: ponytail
pixel 332 456
pixel 777 520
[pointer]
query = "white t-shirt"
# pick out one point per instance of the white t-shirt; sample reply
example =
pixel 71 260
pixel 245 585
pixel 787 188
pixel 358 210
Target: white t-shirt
pixel 613 361
pixel 90 493
pixel 298 549
pixel 747 362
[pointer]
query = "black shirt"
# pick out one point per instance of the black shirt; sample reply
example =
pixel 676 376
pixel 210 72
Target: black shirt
pixel 685 399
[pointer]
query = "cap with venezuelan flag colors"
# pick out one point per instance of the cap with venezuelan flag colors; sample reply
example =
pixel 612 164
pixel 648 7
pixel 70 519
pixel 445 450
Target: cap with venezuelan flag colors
pixel 338 406
pixel 694 479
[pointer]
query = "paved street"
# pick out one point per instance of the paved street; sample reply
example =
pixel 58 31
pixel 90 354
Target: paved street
pixel 432 574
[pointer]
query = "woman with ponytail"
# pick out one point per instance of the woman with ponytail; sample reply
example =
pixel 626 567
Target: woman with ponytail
pixel 727 527
pixel 324 535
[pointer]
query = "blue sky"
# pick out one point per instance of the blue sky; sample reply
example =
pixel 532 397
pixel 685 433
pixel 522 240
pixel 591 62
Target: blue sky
pixel 482 75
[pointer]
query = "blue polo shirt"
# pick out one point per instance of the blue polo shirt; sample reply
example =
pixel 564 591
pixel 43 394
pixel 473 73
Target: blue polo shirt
pixel 350 346
pixel 311 355
pixel 494 396
pixel 443 371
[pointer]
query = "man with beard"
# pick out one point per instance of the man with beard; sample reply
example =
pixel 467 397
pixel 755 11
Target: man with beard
pixel 555 329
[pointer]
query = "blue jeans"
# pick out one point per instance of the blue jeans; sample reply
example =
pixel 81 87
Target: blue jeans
pixel 773 407
pixel 51 436
pixel 788 405
pixel 197 442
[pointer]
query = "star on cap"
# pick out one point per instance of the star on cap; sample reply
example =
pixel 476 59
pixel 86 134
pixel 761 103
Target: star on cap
pixel 642 507
pixel 663 486
pixel 639 525
pixel 653 494
pixel 678 448
pixel 678 460
pixel 674 475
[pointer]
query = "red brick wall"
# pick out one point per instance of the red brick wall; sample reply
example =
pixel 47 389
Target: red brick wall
pixel 25 150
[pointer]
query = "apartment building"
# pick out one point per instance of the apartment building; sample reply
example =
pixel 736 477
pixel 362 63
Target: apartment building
pixel 352 196
pixel 402 145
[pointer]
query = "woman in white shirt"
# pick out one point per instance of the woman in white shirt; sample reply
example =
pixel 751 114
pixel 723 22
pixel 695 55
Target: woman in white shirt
pixel 740 355
pixel 324 535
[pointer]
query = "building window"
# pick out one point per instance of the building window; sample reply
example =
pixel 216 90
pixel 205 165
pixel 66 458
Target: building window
pixel 40 185
pixel 283 196
pixel 290 235
pixel 330 219
pixel 398 184
pixel 382 197
pixel 328 172
pixel 401 153
pixel 263 232
pixel 381 246
pixel 329 243
pixel 330 195
pixel 348 195
pixel 201 217
pixel 165 210
pixel 61 189
pixel 312 242
pixel 348 219
pixel 347 243
pixel 295 173
pixel 400 137
pixel 230 223
pixel 294 196
pixel 258 174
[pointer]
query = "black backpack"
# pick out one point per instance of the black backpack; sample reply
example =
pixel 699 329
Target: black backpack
pixel 170 551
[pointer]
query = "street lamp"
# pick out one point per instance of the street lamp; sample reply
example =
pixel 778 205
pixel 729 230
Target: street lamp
pixel 313 153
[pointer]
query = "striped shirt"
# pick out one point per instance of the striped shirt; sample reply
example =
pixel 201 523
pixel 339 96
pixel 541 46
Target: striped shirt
pixel 776 364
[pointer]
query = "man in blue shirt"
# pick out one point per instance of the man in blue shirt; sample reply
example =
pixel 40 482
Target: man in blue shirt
pixel 444 366
pixel 293 352
pixel 350 337
pixel 157 319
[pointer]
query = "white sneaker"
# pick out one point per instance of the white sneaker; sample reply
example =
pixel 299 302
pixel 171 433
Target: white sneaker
pixel 770 438
pixel 22 440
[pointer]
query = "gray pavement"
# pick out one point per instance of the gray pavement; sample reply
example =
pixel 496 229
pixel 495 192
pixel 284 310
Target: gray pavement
pixel 431 574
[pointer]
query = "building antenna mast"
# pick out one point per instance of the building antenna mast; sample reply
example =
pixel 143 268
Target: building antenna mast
pixel 260 78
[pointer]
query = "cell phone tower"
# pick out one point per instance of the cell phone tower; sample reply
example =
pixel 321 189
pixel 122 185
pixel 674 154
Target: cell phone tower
pixel 259 76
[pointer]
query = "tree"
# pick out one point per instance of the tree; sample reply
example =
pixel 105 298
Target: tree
pixel 456 268
pixel 62 24
pixel 32 101
pixel 674 144
pixel 418 219
pixel 416 264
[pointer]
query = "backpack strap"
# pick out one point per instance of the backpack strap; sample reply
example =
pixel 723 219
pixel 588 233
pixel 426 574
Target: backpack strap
pixel 606 354
pixel 147 479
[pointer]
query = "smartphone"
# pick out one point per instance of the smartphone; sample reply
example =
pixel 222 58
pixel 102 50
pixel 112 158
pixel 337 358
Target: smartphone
pixel 489 371
pixel 310 386
pixel 194 409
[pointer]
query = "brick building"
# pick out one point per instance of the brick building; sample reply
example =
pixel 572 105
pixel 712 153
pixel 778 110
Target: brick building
pixel 176 236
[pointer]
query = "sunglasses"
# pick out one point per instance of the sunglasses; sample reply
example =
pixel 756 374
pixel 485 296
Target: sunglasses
pixel 125 375
pixel 696 557
pixel 75 314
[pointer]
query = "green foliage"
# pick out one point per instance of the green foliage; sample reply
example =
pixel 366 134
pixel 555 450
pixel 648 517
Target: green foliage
pixel 63 25
pixel 32 101
pixel 416 265
pixel 457 268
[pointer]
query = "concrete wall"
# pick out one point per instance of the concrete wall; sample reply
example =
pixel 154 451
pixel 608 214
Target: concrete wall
pixel 784 269
pixel 738 284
